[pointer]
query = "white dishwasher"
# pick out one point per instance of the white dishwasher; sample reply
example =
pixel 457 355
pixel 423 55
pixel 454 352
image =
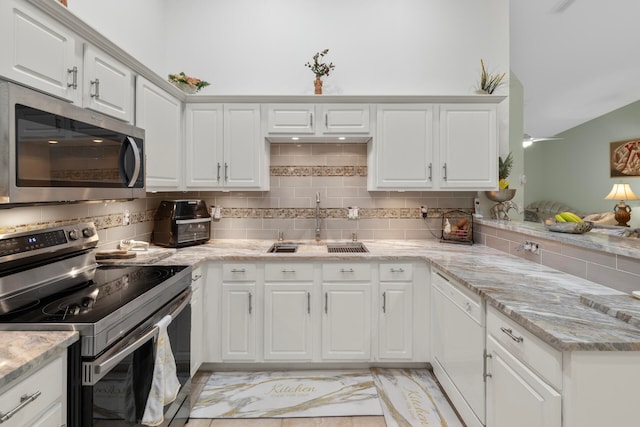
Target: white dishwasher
pixel 458 334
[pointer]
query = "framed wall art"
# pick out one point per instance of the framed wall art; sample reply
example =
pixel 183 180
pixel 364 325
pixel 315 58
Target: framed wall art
pixel 624 158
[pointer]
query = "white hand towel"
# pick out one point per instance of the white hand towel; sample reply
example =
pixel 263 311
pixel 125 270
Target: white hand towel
pixel 165 384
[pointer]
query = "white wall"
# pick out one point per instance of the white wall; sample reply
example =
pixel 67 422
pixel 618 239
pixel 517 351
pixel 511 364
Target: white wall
pixel 575 170
pixel 138 26
pixel 378 46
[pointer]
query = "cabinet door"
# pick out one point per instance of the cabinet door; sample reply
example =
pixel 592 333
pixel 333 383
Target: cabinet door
pixel 38 51
pixel 346 321
pixel 517 396
pixel 238 321
pixel 160 115
pixel 403 150
pixel 108 85
pixel 468 146
pixel 287 323
pixel 344 118
pixel 396 321
pixel 204 149
pixel 244 153
pixel 291 118
pixel 197 319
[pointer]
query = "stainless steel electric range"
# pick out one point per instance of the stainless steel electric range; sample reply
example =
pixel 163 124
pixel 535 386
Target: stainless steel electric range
pixel 49 280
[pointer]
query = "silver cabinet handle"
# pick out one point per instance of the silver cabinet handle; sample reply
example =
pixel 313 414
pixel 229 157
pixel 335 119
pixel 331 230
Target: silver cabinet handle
pixel 238 270
pixel 442 276
pixel 326 302
pixel 24 401
pixel 486 374
pixel 218 175
pixel 96 93
pixel 196 278
pixel 226 171
pixel 384 302
pixel 346 270
pixel 444 169
pixel 285 270
pixel 250 305
pixel 326 120
pixel 308 302
pixel 74 77
pixel 396 270
pixel 467 306
pixel 509 332
pixel 311 120
pixel 430 172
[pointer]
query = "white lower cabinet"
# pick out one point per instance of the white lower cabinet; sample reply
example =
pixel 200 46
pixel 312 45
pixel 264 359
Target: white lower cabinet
pixel 238 321
pixel 519 372
pixel 395 312
pixel 346 323
pixel 47 390
pixel 288 311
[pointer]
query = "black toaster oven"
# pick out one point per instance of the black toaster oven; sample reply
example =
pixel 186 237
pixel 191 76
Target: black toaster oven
pixel 179 223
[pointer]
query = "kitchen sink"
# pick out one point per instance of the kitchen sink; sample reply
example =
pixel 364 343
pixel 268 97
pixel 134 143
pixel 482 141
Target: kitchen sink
pixel 283 248
pixel 346 247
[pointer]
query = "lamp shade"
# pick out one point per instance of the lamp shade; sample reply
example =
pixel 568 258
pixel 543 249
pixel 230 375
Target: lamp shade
pixel 621 192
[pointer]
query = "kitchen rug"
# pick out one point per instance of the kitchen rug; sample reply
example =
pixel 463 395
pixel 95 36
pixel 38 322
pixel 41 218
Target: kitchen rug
pixel 288 394
pixel 411 398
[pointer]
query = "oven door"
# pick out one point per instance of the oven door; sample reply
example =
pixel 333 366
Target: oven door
pixel 115 385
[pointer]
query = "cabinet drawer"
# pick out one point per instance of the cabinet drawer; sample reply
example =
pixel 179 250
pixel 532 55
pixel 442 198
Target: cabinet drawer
pixel 465 300
pixel 287 272
pixel 396 272
pixel 238 272
pixel 340 272
pixel 48 381
pixel 526 347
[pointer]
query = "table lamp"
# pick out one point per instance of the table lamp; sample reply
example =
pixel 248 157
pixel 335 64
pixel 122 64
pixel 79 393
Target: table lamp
pixel 622 192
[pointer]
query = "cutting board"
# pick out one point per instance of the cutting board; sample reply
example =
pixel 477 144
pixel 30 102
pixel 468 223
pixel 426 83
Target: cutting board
pixel 115 254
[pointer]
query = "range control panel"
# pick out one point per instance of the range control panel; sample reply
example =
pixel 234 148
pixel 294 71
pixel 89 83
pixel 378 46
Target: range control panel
pixel 50 239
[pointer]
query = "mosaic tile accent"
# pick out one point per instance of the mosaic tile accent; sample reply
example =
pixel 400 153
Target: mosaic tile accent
pixel 334 213
pixel 318 171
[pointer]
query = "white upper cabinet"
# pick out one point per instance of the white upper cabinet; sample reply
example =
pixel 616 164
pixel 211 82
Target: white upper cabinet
pixel 160 115
pixel 291 119
pixel 317 120
pixel 401 154
pixel 434 147
pixel 203 145
pixel 245 155
pixel 468 146
pixel 108 85
pixel 39 51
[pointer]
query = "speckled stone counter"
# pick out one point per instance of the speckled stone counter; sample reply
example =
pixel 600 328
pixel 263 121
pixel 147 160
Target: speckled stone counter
pixel 545 301
pixel 25 351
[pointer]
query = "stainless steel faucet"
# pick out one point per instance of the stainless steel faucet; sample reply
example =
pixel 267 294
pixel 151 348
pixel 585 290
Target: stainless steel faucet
pixel 317 216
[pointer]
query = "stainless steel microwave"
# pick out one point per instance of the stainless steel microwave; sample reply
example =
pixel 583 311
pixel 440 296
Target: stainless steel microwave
pixel 54 151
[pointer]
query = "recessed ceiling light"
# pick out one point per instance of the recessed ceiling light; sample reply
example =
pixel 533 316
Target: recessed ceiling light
pixel 294 138
pixel 342 138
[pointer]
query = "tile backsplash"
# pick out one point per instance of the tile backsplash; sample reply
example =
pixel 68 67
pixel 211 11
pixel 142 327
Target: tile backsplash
pixel 337 172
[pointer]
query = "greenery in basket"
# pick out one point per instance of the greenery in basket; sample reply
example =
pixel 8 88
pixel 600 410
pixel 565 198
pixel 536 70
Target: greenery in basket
pixel 490 82
pixel 194 83
pixel 504 170
pixel 320 68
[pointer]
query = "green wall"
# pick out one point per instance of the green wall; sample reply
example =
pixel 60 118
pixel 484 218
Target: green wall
pixel 575 170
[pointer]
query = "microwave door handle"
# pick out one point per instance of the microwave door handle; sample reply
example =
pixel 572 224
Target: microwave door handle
pixel 137 161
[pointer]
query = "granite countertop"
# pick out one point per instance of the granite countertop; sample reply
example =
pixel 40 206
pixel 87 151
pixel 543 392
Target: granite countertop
pixel 22 352
pixel 545 301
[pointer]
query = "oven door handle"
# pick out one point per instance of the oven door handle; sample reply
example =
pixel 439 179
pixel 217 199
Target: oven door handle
pixel 93 372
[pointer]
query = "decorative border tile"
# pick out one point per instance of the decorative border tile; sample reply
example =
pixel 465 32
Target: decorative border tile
pixel 318 171
pixel 334 213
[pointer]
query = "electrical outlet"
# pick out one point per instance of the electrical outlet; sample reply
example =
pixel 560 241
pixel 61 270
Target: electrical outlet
pixel 424 211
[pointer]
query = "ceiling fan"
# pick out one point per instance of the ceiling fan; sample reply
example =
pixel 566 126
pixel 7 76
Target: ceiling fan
pixel 527 139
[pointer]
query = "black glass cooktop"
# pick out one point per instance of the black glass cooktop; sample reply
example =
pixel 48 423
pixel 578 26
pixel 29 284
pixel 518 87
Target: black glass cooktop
pixel 112 287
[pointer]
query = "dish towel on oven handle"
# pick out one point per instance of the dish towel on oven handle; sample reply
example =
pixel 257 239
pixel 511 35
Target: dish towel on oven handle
pixel 165 384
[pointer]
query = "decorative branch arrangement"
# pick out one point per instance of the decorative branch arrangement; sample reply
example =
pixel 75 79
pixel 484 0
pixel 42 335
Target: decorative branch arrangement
pixel 490 82
pixel 320 68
